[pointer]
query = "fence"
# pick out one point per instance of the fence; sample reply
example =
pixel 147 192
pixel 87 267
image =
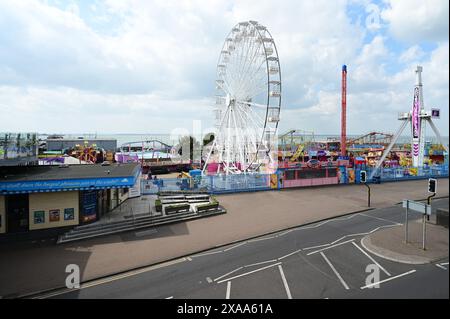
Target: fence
pixel 215 184
pixel 220 184
pixel 407 173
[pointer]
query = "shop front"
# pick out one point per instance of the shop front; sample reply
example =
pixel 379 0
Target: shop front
pixel 78 195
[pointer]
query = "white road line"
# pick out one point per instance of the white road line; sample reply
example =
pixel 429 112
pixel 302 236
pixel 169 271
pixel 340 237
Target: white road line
pixel 284 233
pixel 189 258
pixel 111 279
pixel 209 280
pixel 444 264
pixel 388 279
pixel 373 260
pixel 318 251
pixel 327 221
pixel 206 254
pixel 288 292
pixel 290 254
pixel 228 290
pixel 440 266
pixel 385 226
pixel 235 246
pixel 259 239
pixel 171 297
pixel 318 246
pixel 228 273
pixel 379 218
pixel 248 273
pixel 335 271
pixel 350 235
pixel 260 263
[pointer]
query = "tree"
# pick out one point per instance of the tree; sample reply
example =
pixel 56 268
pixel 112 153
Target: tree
pixel 208 138
pixel 188 147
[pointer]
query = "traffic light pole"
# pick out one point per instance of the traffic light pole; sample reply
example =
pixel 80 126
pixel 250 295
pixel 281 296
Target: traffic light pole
pixel 368 194
pixel 429 202
pixel 429 198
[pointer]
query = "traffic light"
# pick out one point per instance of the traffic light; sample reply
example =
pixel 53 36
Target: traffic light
pixel 432 183
pixel 363 176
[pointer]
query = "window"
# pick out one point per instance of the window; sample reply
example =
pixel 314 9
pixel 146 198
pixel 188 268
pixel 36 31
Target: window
pixel 289 175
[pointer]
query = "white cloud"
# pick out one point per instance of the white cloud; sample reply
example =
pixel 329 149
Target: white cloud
pixel 412 54
pixel 149 66
pixel 417 20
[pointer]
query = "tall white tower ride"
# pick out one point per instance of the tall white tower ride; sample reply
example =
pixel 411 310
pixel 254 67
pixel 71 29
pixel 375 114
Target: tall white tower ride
pixel 418 117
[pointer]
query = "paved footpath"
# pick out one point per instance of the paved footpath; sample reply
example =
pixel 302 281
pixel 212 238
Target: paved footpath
pixel 31 267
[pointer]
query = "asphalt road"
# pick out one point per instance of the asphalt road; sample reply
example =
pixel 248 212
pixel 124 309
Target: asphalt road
pixel 321 260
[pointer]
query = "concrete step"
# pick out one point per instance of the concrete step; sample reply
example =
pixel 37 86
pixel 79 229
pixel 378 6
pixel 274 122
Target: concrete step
pixel 120 224
pixel 70 237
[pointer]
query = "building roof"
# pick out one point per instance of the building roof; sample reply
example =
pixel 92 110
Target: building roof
pixel 30 179
pixel 47 172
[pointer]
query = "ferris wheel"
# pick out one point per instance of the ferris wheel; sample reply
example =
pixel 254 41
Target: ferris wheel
pixel 248 102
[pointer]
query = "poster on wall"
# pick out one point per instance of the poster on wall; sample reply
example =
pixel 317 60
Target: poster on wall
pixel 69 214
pixel 88 210
pixel 54 215
pixel 39 217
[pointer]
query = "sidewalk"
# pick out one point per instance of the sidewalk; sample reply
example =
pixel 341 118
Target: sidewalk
pixel 390 243
pixel 26 268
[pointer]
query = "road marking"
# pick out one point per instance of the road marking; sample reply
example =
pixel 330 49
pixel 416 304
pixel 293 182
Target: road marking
pixel 228 273
pixel 228 290
pixel 379 218
pixel 350 235
pixel 250 272
pixel 318 251
pixel 189 258
pixel 259 239
pixel 209 280
pixel 373 260
pixel 327 221
pixel 288 292
pixel 111 279
pixel 335 271
pixel 285 256
pixel 440 266
pixel 388 279
pixel 171 297
pixel 206 254
pixel 235 246
pixel 318 246
pixel 444 264
pixel 284 233
pixel 260 263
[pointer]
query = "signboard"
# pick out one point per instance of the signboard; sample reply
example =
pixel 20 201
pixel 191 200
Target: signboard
pixel 88 210
pixel 67 184
pixel 435 113
pixel 135 191
pixel 415 114
pixel 417 206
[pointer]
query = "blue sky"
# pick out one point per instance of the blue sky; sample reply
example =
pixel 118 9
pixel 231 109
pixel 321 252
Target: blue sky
pixel 124 66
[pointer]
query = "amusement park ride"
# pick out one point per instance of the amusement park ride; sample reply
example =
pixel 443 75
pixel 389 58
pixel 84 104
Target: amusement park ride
pixel 248 102
pixel 418 117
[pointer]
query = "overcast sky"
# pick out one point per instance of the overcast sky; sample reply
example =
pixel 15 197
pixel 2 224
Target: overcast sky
pixel 125 66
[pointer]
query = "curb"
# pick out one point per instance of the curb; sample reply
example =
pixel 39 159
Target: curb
pixel 367 246
pixel 53 290
pixel 36 294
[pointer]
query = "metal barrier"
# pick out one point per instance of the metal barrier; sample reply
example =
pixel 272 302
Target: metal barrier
pixel 388 174
pixel 215 184
pixel 220 184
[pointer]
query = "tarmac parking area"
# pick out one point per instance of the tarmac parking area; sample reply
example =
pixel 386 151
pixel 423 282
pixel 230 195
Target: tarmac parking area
pixel 321 260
